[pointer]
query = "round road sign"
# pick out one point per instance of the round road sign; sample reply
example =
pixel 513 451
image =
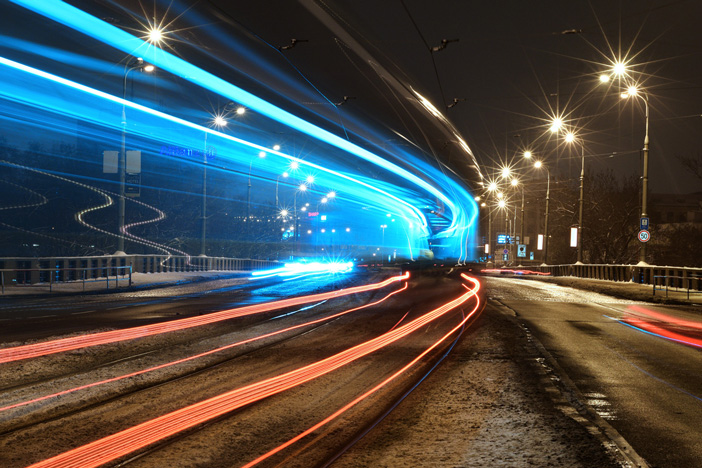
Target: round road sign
pixel 644 235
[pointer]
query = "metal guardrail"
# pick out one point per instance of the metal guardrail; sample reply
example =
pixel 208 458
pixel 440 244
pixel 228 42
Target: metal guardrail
pixel 679 283
pixel 641 274
pixel 18 271
pixel 54 273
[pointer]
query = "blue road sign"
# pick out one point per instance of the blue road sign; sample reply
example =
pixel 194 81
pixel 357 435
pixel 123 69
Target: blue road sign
pixel 644 224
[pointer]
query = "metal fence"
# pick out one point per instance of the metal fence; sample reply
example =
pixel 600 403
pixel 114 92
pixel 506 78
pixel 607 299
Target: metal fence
pixel 658 276
pixel 27 271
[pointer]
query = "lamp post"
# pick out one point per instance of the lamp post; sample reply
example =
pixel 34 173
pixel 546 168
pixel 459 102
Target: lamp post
pixel 570 138
pixel 301 188
pixel 220 122
pixel 633 91
pixel 136 64
pixel 261 155
pixel 539 164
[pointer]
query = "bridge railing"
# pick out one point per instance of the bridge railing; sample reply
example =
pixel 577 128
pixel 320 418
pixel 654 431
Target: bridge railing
pixel 49 270
pixel 657 276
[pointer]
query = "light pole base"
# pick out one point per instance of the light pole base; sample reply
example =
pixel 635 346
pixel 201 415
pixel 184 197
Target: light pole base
pixel 120 253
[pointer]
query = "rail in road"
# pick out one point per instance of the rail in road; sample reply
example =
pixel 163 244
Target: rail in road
pixel 135 394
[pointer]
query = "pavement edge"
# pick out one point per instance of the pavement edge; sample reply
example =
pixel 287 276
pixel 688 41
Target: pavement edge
pixel 569 400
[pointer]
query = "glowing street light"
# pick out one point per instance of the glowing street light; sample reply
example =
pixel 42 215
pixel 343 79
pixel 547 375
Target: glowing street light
pixel 527 154
pixel 276 147
pixel 240 110
pixel 556 125
pixel 155 35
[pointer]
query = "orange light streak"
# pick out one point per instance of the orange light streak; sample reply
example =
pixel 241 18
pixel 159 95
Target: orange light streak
pixel 18 353
pixel 382 384
pixel 200 355
pixel 124 442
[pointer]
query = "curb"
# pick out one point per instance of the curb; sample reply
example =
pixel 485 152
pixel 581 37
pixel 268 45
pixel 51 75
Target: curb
pixel 571 401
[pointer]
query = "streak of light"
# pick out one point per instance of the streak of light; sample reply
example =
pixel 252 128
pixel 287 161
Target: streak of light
pixel 206 353
pixel 109 448
pixel 660 332
pixel 313 267
pixel 109 34
pixel 339 412
pixel 515 272
pixel 665 318
pixel 18 353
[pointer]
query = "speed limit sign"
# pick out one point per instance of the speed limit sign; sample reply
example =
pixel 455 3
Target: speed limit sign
pixel 644 235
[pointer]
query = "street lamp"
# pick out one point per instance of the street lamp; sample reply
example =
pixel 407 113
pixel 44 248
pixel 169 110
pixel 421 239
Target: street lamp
pixel 633 91
pixel 539 164
pixel 219 121
pixel 261 155
pixel 301 188
pixel 136 64
pixel 570 138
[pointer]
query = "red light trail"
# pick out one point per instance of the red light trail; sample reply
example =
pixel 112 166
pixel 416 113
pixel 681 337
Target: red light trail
pixel 661 331
pixel 18 353
pixel 200 355
pixel 117 445
pixel 382 384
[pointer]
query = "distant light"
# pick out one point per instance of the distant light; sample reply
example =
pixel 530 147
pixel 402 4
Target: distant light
pixel 537 164
pixel 500 195
pixel 388 215
pixel 149 68
pixel 310 179
pixel 220 121
pixel 324 230
pixel 331 195
pixel 527 154
pixel 155 35
pixel 283 212
pixel 619 68
pixel 515 182
pixel 324 200
pixel 476 198
pixel 294 165
pixel 556 125
pixel 506 172
pixel 276 147
pixel 333 230
pixel 302 187
pixel 285 174
pixel 492 187
pixel 262 154
pixel 604 78
pixel 348 229
pixel 309 231
pixel 241 110
pixel 304 208
pixel 570 137
pixel 501 203
pixel 483 204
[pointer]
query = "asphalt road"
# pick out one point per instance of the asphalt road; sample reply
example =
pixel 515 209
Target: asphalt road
pixel 646 387
pixel 86 411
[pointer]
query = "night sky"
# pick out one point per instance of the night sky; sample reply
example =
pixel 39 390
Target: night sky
pixel 516 65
